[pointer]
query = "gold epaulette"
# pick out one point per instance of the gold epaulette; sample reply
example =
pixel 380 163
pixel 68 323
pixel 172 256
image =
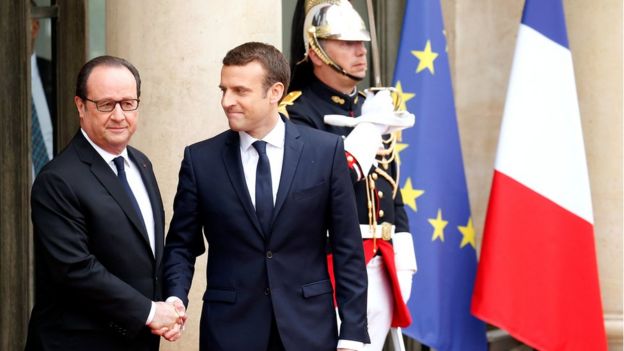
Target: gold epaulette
pixel 288 100
pixel 360 93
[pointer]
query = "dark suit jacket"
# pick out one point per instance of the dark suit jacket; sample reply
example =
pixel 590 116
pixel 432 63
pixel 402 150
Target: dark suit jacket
pixel 95 273
pixel 251 275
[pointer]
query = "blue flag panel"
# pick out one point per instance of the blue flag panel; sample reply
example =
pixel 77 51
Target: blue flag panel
pixel 433 186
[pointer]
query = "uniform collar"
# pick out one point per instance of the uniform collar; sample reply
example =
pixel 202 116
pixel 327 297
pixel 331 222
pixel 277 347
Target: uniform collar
pixel 344 101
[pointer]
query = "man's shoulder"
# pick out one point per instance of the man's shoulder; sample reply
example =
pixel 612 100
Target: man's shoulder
pixel 288 102
pixel 307 96
pixel 137 153
pixel 214 142
pixel 290 98
pixel 65 168
pixel 66 158
pixel 43 64
pixel 317 135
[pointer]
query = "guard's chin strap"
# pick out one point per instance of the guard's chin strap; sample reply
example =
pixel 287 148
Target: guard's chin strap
pixel 318 50
pixel 341 70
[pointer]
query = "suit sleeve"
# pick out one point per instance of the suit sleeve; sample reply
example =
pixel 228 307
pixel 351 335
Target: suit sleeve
pixel 62 242
pixel 348 256
pixel 184 240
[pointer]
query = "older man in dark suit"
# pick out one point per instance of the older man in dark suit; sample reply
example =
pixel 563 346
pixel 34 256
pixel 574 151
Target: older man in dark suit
pixel 98 225
pixel 265 194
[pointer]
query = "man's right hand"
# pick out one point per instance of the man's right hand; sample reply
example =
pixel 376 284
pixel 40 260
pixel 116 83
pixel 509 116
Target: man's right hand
pixel 175 333
pixel 165 318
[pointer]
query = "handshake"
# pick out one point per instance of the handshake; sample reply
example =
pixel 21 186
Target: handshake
pixel 169 318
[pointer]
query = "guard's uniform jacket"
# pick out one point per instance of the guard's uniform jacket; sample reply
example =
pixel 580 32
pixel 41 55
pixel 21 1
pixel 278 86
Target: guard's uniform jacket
pixel 378 187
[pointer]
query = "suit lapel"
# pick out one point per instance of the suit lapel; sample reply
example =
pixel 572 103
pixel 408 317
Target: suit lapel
pixel 109 180
pixel 147 175
pixel 234 167
pixel 293 148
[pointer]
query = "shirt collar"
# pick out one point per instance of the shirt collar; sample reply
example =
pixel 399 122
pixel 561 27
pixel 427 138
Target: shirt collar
pixel 107 156
pixel 275 137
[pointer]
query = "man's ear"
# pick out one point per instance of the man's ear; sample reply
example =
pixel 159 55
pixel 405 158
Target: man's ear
pixel 80 106
pixel 316 61
pixel 276 92
pixel 34 28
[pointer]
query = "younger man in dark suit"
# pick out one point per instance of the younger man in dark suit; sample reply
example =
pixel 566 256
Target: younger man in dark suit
pixel 265 194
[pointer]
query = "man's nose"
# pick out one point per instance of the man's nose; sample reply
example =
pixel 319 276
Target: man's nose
pixel 118 113
pixel 361 49
pixel 226 99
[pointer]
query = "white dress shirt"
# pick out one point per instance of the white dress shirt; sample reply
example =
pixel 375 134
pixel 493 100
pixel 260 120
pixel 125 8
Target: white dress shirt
pixel 275 153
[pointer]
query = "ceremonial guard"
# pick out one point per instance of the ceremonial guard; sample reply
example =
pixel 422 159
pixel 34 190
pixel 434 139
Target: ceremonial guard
pixel 324 95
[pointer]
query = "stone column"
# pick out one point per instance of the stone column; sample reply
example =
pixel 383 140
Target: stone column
pixel 178 47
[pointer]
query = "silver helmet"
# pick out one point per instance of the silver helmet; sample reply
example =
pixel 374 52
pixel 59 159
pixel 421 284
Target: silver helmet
pixel 332 19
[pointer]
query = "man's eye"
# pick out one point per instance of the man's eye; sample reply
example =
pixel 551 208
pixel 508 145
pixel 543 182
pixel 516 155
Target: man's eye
pixel 107 104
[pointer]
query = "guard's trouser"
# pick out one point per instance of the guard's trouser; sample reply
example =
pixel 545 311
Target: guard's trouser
pixel 380 304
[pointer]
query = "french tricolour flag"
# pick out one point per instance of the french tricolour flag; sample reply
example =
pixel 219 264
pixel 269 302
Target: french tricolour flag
pixel 537 277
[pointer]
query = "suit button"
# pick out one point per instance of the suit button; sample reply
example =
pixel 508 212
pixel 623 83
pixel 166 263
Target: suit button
pixel 267 291
pixel 269 254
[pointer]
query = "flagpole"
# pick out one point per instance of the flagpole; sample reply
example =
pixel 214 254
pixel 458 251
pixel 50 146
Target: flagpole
pixel 396 334
pixel 374 45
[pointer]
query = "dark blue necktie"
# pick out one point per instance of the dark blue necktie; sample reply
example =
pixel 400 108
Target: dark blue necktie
pixel 121 174
pixel 39 152
pixel 264 190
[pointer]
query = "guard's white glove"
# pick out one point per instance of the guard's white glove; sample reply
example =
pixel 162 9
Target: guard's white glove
pixel 405 260
pixel 379 104
pixel 378 109
pixel 378 118
pixel 362 143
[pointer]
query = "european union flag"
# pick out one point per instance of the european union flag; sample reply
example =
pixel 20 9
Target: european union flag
pixel 433 185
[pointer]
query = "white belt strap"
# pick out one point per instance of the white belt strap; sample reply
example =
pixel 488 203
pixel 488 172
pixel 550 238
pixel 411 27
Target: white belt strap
pixel 383 231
